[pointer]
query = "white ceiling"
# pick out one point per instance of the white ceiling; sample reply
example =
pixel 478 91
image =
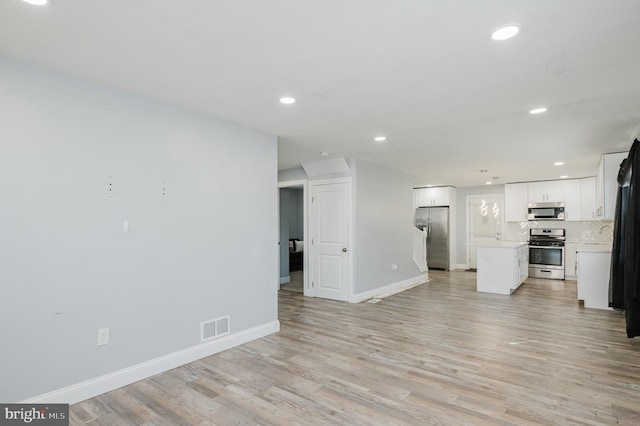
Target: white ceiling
pixel 425 73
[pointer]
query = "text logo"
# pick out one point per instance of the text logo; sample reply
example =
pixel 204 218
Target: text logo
pixel 34 414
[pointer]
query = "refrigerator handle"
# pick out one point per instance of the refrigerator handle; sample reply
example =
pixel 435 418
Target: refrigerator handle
pixel 429 229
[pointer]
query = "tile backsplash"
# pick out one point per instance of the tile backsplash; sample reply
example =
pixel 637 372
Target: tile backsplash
pixel 592 232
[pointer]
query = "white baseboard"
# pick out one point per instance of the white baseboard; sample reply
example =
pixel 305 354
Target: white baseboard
pixel 390 289
pixel 108 382
pixel 463 266
pixel 284 280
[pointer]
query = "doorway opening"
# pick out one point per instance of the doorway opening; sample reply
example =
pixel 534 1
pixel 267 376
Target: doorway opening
pixel 484 224
pixel 293 268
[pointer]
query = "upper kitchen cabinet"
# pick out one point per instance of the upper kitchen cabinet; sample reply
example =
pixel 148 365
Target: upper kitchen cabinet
pixel 516 198
pixel 580 199
pixel 588 204
pixel 435 196
pixel 607 185
pixel 547 191
pixel 572 199
pixel 578 195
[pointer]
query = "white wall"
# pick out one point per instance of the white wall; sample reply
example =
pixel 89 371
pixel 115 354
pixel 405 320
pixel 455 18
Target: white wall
pixel 383 225
pixel 66 266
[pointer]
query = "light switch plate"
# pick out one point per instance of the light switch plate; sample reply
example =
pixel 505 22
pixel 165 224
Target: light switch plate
pixel 103 336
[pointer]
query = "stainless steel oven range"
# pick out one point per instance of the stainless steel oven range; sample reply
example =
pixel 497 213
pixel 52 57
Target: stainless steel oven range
pixel 546 253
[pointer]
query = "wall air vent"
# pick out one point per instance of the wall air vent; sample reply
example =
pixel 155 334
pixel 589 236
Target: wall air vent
pixel 212 329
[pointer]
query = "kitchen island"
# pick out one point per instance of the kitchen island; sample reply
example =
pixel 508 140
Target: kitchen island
pixel 502 266
pixel 594 265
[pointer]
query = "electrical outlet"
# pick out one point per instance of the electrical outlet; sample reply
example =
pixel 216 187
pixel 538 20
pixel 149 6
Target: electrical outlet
pixel 103 336
pixel 394 266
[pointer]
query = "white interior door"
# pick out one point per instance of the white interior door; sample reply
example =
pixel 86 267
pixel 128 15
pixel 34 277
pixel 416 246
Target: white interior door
pixel 485 224
pixel 329 228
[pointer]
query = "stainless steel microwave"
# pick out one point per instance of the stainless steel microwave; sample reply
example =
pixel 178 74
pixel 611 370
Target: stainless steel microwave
pixel 545 211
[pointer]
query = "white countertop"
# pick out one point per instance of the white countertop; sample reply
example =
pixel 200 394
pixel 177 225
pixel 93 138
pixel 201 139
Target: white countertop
pixel 581 246
pixel 502 244
pixel 587 242
pixel 594 248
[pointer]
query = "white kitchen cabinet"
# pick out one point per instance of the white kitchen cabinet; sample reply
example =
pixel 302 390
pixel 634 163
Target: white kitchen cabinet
pixel 594 265
pixel 578 195
pixel 546 191
pixel 600 190
pixel 516 198
pixel 588 198
pixel 522 256
pixel 607 185
pixel 537 192
pixel 436 196
pixel 570 261
pixel 502 267
pixel 572 207
pixel 555 190
pixel 580 199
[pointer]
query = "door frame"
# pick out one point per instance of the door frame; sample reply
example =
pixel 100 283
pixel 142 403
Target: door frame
pixel 350 234
pixel 468 233
pixel 305 231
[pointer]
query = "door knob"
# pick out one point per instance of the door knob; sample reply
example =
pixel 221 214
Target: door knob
pixel 344 249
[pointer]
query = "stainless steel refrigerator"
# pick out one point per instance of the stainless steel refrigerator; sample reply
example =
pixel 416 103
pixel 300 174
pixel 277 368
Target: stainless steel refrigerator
pixel 435 220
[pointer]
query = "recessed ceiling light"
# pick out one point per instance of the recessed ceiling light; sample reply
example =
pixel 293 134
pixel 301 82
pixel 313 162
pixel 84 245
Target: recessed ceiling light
pixel 380 138
pixel 324 153
pixel 287 100
pixel 505 32
pixel 488 183
pixel 429 186
pixel 559 163
pixel 538 110
pixel 38 2
pixel 564 177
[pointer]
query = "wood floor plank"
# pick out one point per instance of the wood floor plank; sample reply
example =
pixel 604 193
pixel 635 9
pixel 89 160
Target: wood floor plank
pixel 439 353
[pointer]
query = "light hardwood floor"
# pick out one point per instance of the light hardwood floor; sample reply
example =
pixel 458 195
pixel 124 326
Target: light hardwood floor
pixel 296 283
pixel 439 353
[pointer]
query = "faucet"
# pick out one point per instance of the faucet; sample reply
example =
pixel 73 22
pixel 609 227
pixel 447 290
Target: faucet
pixel 605 226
